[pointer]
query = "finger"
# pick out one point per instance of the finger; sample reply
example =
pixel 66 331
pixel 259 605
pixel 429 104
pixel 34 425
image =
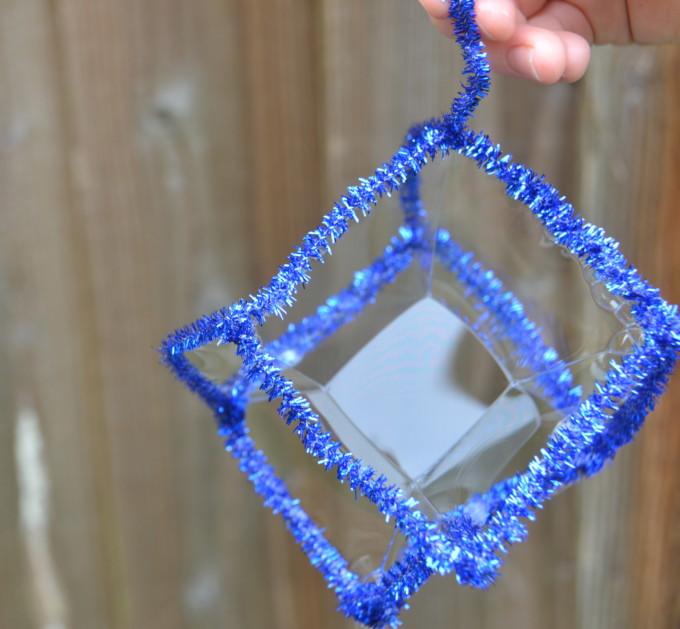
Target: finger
pixel 552 45
pixel 530 7
pixel 536 53
pixel 497 19
pixel 654 22
pixel 437 9
pixel 542 55
pixel 577 56
pixel 496 54
pixel 563 16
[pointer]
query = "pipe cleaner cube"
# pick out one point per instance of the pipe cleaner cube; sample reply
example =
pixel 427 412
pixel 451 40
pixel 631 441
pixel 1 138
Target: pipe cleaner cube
pixel 394 415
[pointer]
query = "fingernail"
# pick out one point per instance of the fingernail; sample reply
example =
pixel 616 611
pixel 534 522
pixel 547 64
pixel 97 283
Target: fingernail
pixel 521 60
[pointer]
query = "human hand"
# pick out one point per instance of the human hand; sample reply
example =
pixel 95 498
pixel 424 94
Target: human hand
pixel 549 40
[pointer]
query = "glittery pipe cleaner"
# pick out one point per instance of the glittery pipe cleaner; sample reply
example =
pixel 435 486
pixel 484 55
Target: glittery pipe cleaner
pixel 461 542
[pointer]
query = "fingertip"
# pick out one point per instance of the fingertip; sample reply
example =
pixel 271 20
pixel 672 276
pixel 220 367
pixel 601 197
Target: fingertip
pixel 496 19
pixel 577 52
pixel 537 54
pixel 437 9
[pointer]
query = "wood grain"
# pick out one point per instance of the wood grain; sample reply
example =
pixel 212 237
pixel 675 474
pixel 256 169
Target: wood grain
pixel 159 160
pixel 46 340
pixel 656 221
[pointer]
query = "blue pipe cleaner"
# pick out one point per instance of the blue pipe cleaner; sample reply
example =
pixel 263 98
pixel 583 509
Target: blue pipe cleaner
pixel 594 430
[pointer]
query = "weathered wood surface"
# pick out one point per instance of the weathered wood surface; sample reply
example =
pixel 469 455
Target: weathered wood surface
pixel 654 228
pixel 158 160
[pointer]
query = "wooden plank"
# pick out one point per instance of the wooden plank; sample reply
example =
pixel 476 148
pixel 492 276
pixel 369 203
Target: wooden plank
pixel 154 137
pixel 53 439
pixel 286 170
pixel 622 87
pixel 283 86
pixel 655 225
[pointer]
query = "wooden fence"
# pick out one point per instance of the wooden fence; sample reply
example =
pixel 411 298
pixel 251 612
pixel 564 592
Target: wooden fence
pixel 158 159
